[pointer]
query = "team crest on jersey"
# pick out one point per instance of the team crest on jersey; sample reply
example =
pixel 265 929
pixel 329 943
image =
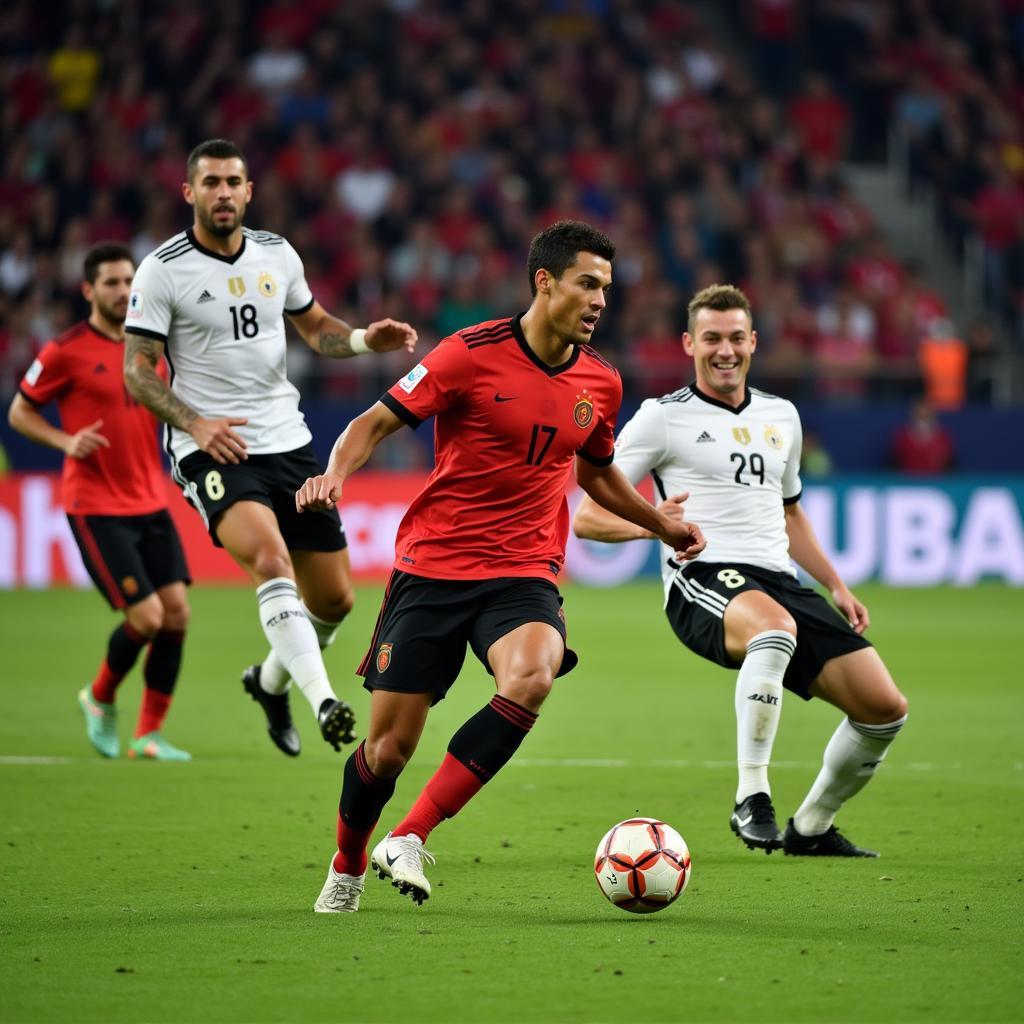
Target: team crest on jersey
pixel 583 410
pixel 129 586
pixel 236 285
pixel 741 434
pixel 773 437
pixel 384 657
pixel 266 286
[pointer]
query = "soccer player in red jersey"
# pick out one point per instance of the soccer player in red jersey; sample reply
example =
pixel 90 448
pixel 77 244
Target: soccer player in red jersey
pixel 113 494
pixel 518 403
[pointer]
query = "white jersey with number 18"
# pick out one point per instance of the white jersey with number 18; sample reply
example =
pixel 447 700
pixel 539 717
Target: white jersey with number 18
pixel 221 319
pixel 740 466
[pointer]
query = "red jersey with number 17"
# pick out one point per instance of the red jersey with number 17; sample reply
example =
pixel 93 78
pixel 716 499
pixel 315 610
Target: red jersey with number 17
pixel 507 433
pixel 83 371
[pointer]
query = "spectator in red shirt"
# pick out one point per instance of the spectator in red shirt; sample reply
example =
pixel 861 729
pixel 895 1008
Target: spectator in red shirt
pixel 922 445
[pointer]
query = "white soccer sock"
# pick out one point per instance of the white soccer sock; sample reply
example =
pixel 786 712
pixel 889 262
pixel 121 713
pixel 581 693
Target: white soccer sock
pixel 758 704
pixel 293 639
pixel 274 676
pixel 851 758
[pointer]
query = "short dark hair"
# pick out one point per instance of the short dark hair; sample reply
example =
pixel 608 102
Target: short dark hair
pixel 218 149
pixel 556 248
pixel 719 297
pixel 105 252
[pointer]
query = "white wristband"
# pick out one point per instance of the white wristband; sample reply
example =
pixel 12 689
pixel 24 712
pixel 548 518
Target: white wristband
pixel 357 341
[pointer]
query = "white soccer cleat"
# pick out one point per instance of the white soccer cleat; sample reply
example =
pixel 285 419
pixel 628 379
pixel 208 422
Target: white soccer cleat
pixel 401 859
pixel 340 894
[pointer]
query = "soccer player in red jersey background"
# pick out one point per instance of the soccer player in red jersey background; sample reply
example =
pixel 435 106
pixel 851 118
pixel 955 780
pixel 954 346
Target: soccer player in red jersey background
pixel 113 493
pixel 518 403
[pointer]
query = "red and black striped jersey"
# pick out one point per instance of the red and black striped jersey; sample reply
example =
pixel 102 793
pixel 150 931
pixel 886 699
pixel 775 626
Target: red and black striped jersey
pixel 83 372
pixel 508 429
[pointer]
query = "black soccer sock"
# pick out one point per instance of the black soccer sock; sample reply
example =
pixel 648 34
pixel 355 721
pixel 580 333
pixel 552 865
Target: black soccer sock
pixel 475 754
pixel 487 741
pixel 163 662
pixel 363 796
pixel 122 650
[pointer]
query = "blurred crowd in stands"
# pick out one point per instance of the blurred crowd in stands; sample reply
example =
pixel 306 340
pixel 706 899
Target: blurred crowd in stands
pixel 409 149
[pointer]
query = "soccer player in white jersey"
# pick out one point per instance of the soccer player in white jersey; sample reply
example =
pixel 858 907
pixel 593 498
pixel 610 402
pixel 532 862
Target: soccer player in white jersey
pixel 736 451
pixel 212 299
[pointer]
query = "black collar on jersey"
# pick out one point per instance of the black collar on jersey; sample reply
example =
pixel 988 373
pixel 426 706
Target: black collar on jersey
pixel 722 405
pixel 209 252
pixel 100 334
pixel 551 371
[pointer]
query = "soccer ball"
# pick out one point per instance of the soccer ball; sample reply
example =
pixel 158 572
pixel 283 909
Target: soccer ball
pixel 642 865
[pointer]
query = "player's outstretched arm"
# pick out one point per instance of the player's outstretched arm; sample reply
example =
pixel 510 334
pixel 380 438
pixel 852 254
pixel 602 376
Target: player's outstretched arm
pixel 610 489
pixel 807 552
pixel 332 337
pixel 214 436
pixel 592 522
pixel 355 445
pixel 27 420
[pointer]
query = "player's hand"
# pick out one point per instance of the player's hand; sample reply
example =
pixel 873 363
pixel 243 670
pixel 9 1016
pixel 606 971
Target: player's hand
pixel 855 612
pixel 83 443
pixel 216 438
pixel 389 335
pixel 686 539
pixel 673 506
pixel 318 493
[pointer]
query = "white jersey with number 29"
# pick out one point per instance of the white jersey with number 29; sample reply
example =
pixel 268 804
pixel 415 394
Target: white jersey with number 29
pixel 739 465
pixel 221 319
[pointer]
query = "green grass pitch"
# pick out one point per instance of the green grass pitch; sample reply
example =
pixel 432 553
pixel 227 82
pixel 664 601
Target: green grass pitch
pixel 183 892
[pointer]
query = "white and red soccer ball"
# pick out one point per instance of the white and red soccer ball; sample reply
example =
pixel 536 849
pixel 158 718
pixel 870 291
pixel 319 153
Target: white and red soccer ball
pixel 642 865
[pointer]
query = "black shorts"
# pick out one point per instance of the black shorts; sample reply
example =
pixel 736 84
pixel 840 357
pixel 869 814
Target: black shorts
pixel 129 557
pixel 272 480
pixel 420 640
pixel 696 609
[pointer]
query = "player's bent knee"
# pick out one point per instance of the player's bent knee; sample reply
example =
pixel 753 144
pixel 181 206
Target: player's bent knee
pixel 387 755
pixel 177 616
pixel 146 617
pixel 269 564
pixel 529 689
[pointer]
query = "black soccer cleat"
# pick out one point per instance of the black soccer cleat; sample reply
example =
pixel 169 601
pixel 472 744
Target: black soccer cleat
pixel 337 723
pixel 275 707
pixel 753 820
pixel 831 844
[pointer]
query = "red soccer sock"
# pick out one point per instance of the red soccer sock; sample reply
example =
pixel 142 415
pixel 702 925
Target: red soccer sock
pixel 153 711
pixel 451 787
pixel 122 650
pixel 351 856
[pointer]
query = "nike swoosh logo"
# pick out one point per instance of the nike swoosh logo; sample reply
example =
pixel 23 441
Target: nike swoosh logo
pixel 742 822
pixel 391 860
pixel 499 397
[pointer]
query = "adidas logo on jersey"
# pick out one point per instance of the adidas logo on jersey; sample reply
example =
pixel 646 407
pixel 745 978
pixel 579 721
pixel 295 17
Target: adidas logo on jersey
pixel 205 297
pixel 704 437
pixel 99 368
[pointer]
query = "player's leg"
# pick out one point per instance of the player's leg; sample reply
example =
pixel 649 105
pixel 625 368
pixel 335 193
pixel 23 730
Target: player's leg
pixel 163 558
pixel 725 614
pixel 160 673
pixel 761 634
pixel 371 772
pixel 112 562
pixel 524 663
pixel 859 684
pixel 249 532
pixel 518 632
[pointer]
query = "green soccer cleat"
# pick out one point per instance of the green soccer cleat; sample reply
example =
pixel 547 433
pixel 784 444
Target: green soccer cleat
pixel 100 723
pixel 153 747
